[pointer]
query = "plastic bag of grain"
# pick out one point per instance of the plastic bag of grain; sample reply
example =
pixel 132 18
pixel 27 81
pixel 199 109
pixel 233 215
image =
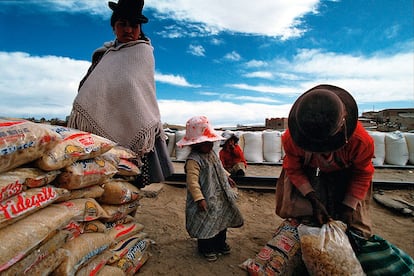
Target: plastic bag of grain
pixel 93 191
pixel 81 250
pixel 75 145
pixel 127 168
pixel 396 150
pixel 48 264
pixel 28 202
pixel 122 247
pixel 16 180
pixel 281 255
pixel 117 191
pixel 17 240
pixel 84 173
pixel 379 147
pixel 326 250
pixel 118 211
pixel 135 258
pixel 23 141
pixel 48 247
pixel 272 146
pixel 253 146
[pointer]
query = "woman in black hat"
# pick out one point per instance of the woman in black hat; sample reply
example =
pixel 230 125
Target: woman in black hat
pixel 117 100
pixel 328 160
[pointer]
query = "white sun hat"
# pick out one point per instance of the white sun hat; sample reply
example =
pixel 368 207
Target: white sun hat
pixel 198 130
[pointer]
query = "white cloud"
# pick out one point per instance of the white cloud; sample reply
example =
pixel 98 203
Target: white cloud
pixel 173 80
pixel 377 78
pixel 196 50
pixel 224 114
pixel 233 56
pixel 263 17
pixel 259 74
pixel 38 87
pixel 255 63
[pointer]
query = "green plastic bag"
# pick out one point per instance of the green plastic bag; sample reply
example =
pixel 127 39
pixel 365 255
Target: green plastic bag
pixel 380 257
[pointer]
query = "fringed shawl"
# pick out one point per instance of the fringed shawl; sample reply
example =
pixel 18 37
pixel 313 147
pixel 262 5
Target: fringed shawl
pixel 118 101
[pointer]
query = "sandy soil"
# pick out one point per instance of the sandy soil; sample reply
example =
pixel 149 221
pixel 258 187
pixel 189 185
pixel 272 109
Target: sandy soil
pixel 174 252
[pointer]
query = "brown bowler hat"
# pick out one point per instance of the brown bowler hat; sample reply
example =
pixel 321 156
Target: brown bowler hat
pixel 323 118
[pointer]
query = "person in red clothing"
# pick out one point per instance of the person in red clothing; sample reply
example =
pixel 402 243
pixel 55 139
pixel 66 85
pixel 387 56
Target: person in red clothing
pixel 232 156
pixel 328 157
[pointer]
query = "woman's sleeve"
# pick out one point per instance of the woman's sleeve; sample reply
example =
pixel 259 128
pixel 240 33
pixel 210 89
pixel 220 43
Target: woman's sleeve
pixel 192 169
pixel 293 164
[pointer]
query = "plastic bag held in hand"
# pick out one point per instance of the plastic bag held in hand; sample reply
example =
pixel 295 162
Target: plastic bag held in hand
pixel 326 250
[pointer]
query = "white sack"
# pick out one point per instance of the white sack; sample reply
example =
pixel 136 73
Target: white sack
pixel 379 147
pixel 181 153
pixel 409 138
pixel 253 146
pixel 396 150
pixel 272 146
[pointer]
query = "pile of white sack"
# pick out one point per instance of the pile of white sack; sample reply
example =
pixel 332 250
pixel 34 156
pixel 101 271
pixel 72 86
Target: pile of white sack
pixel 67 204
pixel 391 148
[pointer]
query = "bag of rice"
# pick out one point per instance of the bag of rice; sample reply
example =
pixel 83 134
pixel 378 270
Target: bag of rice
pixel 23 141
pixel 85 209
pixel 279 256
pixel 119 211
pixel 117 191
pixel 17 240
pixel 93 191
pixel 74 145
pixel 47 248
pixel 135 258
pixel 81 250
pixel 127 168
pixel 84 173
pixel 16 180
pixel 48 265
pixel 122 247
pixel 28 202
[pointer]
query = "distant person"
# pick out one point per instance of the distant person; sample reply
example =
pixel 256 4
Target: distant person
pixel 210 206
pixel 328 160
pixel 232 156
pixel 117 100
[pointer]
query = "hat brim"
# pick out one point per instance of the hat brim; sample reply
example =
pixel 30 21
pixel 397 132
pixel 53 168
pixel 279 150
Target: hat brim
pixel 334 142
pixel 139 19
pixel 184 142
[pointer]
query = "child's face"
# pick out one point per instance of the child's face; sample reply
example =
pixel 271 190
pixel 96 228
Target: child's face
pixel 205 147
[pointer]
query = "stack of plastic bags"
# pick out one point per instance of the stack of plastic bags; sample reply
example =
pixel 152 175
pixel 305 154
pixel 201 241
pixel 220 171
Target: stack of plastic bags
pixel 66 206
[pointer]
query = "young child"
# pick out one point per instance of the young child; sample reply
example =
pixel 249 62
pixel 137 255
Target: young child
pixel 232 156
pixel 210 206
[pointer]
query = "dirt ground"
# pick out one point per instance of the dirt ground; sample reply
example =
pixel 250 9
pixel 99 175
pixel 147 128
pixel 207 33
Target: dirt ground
pixel 174 252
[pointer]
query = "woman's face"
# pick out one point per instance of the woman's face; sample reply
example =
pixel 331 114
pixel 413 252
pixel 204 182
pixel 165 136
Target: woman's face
pixel 205 147
pixel 126 31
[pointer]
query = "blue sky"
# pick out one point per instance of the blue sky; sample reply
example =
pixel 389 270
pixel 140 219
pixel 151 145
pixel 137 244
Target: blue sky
pixel 237 62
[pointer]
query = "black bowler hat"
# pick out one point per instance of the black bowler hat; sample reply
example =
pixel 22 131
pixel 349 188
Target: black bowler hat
pixel 130 10
pixel 323 118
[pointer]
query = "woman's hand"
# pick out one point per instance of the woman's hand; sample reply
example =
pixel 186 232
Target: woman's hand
pixel 346 215
pixel 319 211
pixel 202 205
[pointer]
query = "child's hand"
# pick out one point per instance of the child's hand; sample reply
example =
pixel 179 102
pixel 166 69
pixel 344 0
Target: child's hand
pixel 202 205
